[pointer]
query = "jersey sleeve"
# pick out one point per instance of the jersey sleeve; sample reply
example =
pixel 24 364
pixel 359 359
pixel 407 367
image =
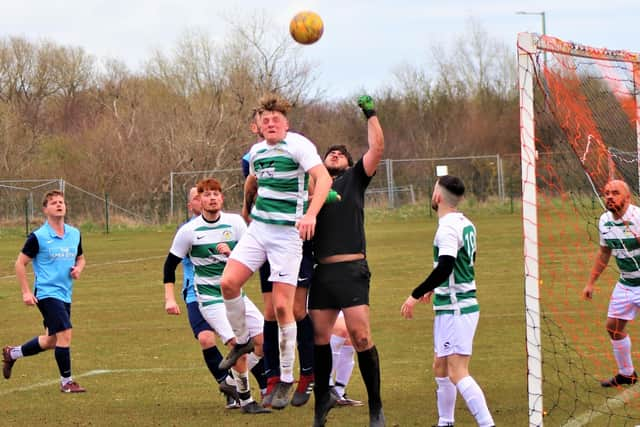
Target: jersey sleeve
pixel 31 246
pixel 601 230
pixel 245 164
pixel 307 154
pixel 447 241
pixel 240 227
pixel 361 175
pixel 79 253
pixel 181 242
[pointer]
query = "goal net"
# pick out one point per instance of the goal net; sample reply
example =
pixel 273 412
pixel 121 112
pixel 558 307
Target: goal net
pixel 579 128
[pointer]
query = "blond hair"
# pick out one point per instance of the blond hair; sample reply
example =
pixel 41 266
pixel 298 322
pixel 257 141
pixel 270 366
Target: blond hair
pixel 273 102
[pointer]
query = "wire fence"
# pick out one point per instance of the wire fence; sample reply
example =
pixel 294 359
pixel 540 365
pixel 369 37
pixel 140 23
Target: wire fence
pixel 397 182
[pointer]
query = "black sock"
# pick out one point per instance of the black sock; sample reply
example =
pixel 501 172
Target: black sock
pixel 322 369
pixel 305 345
pixel 213 357
pixel 31 347
pixel 63 358
pixel 259 374
pixel 271 358
pixel 370 370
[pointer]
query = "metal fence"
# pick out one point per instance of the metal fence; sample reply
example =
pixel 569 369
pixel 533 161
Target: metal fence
pixel 397 182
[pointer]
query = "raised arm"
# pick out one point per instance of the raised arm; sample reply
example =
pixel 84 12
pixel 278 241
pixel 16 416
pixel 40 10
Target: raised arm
pixel 375 136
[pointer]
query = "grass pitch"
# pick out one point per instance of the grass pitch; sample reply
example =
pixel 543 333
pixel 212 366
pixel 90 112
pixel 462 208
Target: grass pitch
pixel 142 367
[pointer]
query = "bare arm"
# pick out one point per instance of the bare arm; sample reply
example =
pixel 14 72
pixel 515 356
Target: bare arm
pixel 374 154
pixel 250 192
pixel 307 224
pixel 21 273
pixel 600 263
pixel 170 304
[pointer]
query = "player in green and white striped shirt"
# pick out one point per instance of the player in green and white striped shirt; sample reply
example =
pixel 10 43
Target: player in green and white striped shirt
pixel 453 285
pixel 619 236
pixel 208 241
pixel 281 219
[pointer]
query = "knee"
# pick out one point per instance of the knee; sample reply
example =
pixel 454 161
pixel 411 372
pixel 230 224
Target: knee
pixel 207 339
pixel 47 342
pixel 229 287
pixel 281 310
pixel 299 312
pixel 362 341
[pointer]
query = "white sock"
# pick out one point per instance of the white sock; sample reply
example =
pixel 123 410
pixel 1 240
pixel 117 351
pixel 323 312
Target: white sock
pixel 65 380
pixel 236 316
pixel 252 360
pixel 473 395
pixel 242 380
pixel 622 354
pixel 230 380
pixel 336 345
pixel 446 398
pixel 287 339
pixel 345 366
pixel 16 352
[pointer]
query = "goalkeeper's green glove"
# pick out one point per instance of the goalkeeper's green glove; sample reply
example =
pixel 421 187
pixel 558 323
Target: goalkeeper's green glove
pixel 333 196
pixel 368 107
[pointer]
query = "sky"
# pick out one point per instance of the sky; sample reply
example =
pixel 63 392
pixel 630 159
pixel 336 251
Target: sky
pixel 364 42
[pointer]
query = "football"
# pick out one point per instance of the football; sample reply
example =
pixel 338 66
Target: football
pixel 306 27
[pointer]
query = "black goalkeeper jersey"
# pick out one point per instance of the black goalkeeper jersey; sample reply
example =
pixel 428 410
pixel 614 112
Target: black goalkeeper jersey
pixel 340 225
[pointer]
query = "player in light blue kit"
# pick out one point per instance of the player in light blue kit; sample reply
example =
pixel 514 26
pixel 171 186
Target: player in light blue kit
pixel 56 252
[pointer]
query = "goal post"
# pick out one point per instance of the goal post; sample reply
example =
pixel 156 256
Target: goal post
pixel 526 53
pixel 579 128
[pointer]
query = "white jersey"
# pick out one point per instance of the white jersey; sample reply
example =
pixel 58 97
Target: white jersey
pixel 456 237
pixel 283 181
pixel 198 239
pixel 622 236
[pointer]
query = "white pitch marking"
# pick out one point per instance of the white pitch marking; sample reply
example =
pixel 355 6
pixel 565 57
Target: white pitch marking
pixel 93 373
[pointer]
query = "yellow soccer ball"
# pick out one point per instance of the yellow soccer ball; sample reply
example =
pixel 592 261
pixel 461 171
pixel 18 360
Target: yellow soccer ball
pixel 306 27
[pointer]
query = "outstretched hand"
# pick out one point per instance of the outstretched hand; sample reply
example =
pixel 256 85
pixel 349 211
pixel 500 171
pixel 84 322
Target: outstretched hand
pixel 365 102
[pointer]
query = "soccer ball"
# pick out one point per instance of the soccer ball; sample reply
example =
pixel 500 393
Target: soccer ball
pixel 306 27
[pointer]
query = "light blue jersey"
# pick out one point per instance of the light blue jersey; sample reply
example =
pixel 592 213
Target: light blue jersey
pixel 188 291
pixel 53 258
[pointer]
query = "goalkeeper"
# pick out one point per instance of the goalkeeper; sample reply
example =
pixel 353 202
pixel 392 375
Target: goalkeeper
pixel 341 277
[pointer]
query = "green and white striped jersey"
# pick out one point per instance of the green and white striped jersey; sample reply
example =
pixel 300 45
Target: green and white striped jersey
pixel 198 239
pixel 456 237
pixel 622 236
pixel 283 181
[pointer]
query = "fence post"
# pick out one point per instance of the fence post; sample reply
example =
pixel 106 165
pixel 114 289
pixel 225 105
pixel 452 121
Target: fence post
pixel 500 178
pixel 106 212
pixel 390 183
pixel 171 196
pixel 26 216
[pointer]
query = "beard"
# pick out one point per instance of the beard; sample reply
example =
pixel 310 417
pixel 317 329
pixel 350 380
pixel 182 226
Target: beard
pixel 336 171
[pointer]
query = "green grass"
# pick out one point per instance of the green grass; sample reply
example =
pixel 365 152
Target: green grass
pixel 143 368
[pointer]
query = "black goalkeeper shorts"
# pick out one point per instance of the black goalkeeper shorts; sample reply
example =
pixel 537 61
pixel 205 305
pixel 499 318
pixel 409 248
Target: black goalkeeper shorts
pixel 340 285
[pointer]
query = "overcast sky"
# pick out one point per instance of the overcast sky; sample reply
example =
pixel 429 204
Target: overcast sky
pixel 364 40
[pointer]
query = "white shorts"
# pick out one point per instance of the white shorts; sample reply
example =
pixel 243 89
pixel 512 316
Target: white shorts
pixel 281 245
pixel 453 334
pixel 216 316
pixel 624 302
